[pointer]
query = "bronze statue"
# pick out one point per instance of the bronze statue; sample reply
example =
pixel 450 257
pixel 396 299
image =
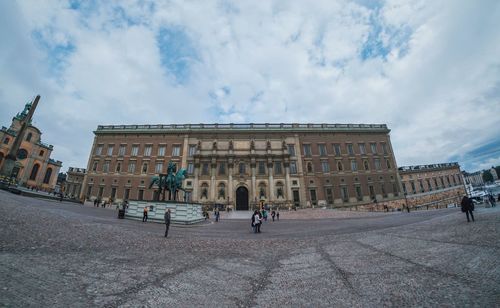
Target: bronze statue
pixel 171 182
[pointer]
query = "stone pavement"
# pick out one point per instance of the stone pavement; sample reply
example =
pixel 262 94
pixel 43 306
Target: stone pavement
pixel 63 254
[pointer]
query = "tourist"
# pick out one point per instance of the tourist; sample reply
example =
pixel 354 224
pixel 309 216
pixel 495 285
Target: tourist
pixel 273 214
pixel 278 215
pixel 256 221
pixel 467 207
pixel 95 202
pixel 492 200
pixel 145 214
pixel 167 221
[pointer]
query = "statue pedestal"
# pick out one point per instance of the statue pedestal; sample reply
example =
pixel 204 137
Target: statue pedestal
pixel 184 213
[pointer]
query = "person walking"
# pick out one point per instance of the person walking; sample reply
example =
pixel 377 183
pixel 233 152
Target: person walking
pixel 273 214
pixel 467 207
pixel 256 221
pixel 145 214
pixel 278 215
pixel 492 200
pixel 167 221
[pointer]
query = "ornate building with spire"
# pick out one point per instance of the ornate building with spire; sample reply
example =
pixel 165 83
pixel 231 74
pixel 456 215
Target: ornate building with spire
pixel 32 165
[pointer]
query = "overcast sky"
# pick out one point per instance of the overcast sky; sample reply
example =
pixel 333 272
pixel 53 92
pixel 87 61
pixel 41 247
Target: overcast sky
pixel 430 69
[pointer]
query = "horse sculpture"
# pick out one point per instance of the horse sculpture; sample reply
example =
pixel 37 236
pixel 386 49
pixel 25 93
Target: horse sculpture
pixel 171 182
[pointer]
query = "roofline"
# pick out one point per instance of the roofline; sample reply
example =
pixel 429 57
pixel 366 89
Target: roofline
pixel 243 127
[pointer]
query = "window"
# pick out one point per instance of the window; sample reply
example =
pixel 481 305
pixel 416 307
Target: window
pixel 291 150
pixel 147 150
pixel 377 164
pixel 126 194
pixel 329 195
pixel 159 167
pixel 339 166
pixel 221 193
pixel 421 184
pixel 384 148
pixel 28 138
pixel 135 150
pixel 204 169
pixel 359 194
pixel 105 167
pixel 372 191
pixel 388 164
pixel 325 166
pixel 279 190
pixel 362 148
pixel 395 189
pixel 354 165
pixel 429 187
pixel 404 188
pixel 190 168
pixel 413 189
pixel 350 149
pixel 277 167
pixel 41 153
pixel 131 167
pixel 98 150
pixel 436 183
pixel 293 167
pixel 262 191
pixel 161 150
pixel 307 150
pixel 337 149
pixel 382 188
pixel 192 150
pixel 373 147
pixel 176 150
pixel 309 168
pixel 121 150
pixel 262 167
pixel 144 168
pixel 322 150
pixel 110 149
pixel 314 199
pixel 94 166
pixel 140 195
pixel 365 164
pixel 204 191
pixel 345 194
pixel 48 174
pixel 222 168
pixel 118 167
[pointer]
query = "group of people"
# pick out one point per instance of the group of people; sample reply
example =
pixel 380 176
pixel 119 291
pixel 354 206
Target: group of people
pixel 98 202
pixel 258 217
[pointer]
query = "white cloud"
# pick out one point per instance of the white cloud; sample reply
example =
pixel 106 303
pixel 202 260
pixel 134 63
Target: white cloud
pixel 433 75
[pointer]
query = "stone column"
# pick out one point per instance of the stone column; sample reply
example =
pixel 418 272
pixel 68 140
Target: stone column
pixel 254 192
pixel 288 189
pixel 230 183
pixel 195 196
pixel 212 196
pixel 271 181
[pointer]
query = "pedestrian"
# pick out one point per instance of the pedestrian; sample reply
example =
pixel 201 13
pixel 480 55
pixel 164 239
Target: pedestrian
pixel 264 214
pixel 273 214
pixel 216 214
pixel 145 214
pixel 167 221
pixel 95 202
pixel 256 221
pixel 278 215
pixel 467 207
pixel 492 200
pixel 60 197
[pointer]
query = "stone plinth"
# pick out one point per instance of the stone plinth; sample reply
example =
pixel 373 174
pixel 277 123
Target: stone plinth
pixel 181 212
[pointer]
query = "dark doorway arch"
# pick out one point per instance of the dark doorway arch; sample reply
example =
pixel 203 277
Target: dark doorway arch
pixel 48 174
pixel 34 172
pixel 242 199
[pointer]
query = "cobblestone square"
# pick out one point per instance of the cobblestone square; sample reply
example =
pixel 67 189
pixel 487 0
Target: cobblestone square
pixel 58 254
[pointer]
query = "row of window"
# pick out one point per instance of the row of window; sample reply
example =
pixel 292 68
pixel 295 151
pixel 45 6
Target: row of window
pixel 438 183
pixel 134 150
pixel 349 148
pixel 359 193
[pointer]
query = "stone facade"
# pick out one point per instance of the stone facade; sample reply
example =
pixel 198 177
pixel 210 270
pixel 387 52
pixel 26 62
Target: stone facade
pixel 33 167
pixel 74 181
pixel 242 165
pixel 475 179
pixel 435 185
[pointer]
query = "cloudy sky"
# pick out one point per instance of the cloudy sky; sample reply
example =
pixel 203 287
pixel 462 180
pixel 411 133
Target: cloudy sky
pixel 430 69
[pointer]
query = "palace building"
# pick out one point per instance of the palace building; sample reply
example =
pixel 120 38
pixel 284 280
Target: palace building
pixel 432 185
pixel 241 165
pixel 33 166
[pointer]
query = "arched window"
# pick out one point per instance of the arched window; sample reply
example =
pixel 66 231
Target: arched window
pixel 28 137
pixel 339 166
pixel 204 191
pixel 48 173
pixel 221 191
pixel 34 172
pixel 262 190
pixel 279 190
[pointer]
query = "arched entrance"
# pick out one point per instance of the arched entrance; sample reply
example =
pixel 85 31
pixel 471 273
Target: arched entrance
pixel 242 199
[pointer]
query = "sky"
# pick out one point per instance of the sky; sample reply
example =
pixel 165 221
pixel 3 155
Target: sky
pixel 430 70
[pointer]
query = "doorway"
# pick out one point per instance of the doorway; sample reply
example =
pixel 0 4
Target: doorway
pixel 242 199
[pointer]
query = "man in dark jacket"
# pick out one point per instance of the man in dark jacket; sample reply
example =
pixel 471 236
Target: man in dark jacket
pixel 467 207
pixel 167 221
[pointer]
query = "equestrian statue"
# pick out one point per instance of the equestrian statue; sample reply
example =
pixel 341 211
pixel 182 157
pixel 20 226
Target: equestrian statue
pixel 171 182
